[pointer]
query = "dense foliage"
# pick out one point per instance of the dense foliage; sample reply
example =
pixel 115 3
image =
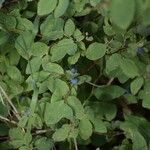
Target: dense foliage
pixel 74 74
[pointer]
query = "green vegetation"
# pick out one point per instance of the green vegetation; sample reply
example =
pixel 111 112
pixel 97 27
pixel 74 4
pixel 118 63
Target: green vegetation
pixel 74 74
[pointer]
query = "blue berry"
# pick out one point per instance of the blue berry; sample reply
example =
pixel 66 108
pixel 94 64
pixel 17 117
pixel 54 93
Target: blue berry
pixel 74 81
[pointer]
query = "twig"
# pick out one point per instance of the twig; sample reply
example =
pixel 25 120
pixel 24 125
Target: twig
pixel 7 120
pixel 9 101
pixel 37 132
pixel 121 49
pixel 94 85
pixel 110 81
pixel 99 86
pixel 75 143
pixel 1 99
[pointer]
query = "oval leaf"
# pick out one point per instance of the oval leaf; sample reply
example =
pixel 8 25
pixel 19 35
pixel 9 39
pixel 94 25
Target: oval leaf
pixel 122 12
pixel 96 51
pixel 55 111
pixel 61 8
pixel 46 6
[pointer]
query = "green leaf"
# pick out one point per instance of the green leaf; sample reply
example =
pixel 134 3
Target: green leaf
pixel 63 47
pixel 56 97
pixel 69 27
pixel 17 143
pixel 16 134
pixel 73 59
pixel 42 75
pixel 23 148
pixel 3 37
pixel 145 94
pixel 85 129
pixel 46 6
pixel 95 118
pixel 61 8
pixel 37 121
pixel 8 21
pixel 146 102
pixel 99 125
pixel 78 35
pixel 136 85
pixel 59 86
pixel 55 111
pixel 84 78
pixel 112 64
pixel 94 2
pixel 43 143
pixel 27 138
pixel 52 28
pixel 53 68
pixel 23 121
pixel 96 51
pixel 146 13
pixel 39 49
pixel 131 99
pixel 129 68
pixel 122 12
pixel 14 73
pixel 109 92
pixel 15 87
pixel 4 129
pixel 14 57
pixel 24 24
pixel 23 44
pixel 76 105
pixel 3 110
pixel 62 133
pixel 138 141
pixel 102 109
pixel 34 65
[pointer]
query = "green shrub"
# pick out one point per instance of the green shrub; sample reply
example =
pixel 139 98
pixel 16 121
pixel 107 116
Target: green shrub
pixel 74 74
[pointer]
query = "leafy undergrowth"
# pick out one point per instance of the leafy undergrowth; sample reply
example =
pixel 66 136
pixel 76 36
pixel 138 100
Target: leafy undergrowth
pixel 74 74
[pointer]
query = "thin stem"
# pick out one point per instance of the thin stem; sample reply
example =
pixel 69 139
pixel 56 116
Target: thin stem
pixel 121 49
pixel 94 85
pixel 110 81
pixel 99 86
pixel 75 143
pixel 7 120
pixel 86 101
pixel 1 99
pixel 38 132
pixel 9 101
